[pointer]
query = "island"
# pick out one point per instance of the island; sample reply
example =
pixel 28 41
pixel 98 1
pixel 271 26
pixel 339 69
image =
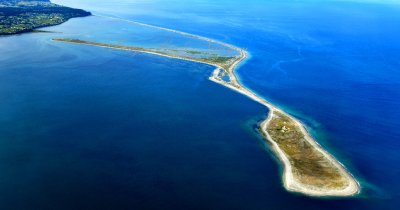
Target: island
pixel 19 16
pixel 307 167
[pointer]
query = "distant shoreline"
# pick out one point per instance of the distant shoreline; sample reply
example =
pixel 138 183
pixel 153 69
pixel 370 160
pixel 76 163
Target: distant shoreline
pixel 18 17
pixel 346 185
pixel 36 29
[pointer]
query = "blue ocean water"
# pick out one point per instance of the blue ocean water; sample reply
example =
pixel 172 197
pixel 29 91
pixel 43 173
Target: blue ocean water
pixel 97 128
pixel 89 128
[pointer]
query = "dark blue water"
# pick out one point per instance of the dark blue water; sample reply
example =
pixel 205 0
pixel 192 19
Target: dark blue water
pixel 94 128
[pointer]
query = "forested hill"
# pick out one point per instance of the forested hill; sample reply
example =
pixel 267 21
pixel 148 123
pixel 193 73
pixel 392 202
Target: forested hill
pixel 18 16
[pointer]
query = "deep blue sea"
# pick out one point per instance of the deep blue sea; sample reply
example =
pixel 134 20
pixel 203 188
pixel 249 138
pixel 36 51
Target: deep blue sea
pixel 90 128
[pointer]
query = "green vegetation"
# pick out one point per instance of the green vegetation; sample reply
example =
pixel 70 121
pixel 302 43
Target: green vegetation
pixel 218 59
pixel 25 16
pixel 310 166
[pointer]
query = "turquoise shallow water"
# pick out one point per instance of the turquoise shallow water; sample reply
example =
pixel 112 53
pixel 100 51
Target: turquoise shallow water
pixel 83 127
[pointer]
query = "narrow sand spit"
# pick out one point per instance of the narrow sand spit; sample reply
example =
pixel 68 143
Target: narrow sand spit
pixel 291 180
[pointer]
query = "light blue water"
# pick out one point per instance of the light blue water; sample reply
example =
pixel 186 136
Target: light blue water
pixel 86 128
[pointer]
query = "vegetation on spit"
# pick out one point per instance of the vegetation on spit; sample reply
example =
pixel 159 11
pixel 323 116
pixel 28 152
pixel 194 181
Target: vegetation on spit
pixel 310 166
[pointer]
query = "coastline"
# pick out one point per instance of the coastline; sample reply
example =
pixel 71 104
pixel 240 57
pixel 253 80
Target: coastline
pixel 290 182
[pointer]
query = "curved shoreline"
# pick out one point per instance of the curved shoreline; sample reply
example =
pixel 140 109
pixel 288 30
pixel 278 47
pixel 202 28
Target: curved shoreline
pixel 291 183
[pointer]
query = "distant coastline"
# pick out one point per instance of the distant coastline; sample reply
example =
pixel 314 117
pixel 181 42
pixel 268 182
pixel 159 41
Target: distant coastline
pixel 23 16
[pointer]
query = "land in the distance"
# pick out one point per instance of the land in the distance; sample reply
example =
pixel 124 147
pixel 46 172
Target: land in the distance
pixel 308 168
pixel 19 16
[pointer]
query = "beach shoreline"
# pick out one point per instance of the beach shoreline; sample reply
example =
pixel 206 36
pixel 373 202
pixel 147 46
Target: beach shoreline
pixel 291 183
